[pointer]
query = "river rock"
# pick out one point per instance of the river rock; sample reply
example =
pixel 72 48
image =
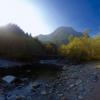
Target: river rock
pixel 64 98
pixel 60 95
pixel 20 98
pixel 80 97
pixel 44 92
pixel 24 79
pixel 78 82
pixel 9 79
pixel 71 86
pixel 94 77
pixel 2 97
pixel 36 85
pixel 28 71
pixel 64 68
pixel 66 77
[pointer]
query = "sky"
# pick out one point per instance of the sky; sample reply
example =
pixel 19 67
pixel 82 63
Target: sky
pixel 44 16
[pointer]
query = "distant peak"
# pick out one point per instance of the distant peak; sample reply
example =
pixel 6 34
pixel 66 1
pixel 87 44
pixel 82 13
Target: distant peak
pixel 63 28
pixel 11 25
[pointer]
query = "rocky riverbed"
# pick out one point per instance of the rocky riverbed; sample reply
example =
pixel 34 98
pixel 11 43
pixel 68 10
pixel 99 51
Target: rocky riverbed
pixel 73 82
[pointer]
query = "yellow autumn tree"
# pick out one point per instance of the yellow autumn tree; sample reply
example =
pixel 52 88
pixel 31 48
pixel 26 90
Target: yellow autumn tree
pixel 51 48
pixel 95 44
pixel 83 48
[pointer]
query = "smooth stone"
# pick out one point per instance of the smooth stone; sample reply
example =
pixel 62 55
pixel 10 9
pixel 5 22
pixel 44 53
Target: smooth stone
pixel 9 79
pixel 60 95
pixel 44 92
pixel 80 97
pixel 36 85
pixel 78 82
pixel 64 68
pixel 20 98
pixel 64 98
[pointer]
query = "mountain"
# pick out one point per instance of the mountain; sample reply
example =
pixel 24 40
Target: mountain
pixel 59 36
pixel 15 43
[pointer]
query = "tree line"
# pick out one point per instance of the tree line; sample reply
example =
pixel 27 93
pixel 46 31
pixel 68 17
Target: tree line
pixel 81 48
pixel 16 44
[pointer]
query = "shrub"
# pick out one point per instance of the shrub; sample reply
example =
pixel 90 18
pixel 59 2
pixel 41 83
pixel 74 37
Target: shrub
pixel 83 48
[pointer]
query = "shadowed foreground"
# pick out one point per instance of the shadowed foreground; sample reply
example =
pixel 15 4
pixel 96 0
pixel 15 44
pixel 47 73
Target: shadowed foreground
pixel 95 94
pixel 73 82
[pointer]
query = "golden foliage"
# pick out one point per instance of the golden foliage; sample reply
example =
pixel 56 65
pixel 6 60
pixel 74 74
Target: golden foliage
pixel 83 48
pixel 51 48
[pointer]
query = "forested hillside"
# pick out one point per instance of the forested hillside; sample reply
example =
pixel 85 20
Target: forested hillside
pixel 83 48
pixel 14 43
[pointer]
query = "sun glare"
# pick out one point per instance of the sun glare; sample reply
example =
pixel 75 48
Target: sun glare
pixel 22 13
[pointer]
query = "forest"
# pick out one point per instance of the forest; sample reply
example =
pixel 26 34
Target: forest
pixel 18 45
pixel 84 48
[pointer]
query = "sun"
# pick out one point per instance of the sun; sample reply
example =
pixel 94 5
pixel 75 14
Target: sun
pixel 24 14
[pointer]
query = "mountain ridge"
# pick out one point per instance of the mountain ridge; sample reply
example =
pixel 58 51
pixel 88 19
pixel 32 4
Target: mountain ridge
pixel 15 43
pixel 59 36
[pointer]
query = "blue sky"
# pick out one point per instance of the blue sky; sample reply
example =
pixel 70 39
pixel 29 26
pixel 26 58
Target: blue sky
pixel 80 14
pixel 44 16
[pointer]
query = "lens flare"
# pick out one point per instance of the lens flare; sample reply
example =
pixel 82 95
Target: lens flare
pixel 24 14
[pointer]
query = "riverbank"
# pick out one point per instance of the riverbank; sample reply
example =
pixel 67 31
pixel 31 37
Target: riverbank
pixel 95 94
pixel 73 82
